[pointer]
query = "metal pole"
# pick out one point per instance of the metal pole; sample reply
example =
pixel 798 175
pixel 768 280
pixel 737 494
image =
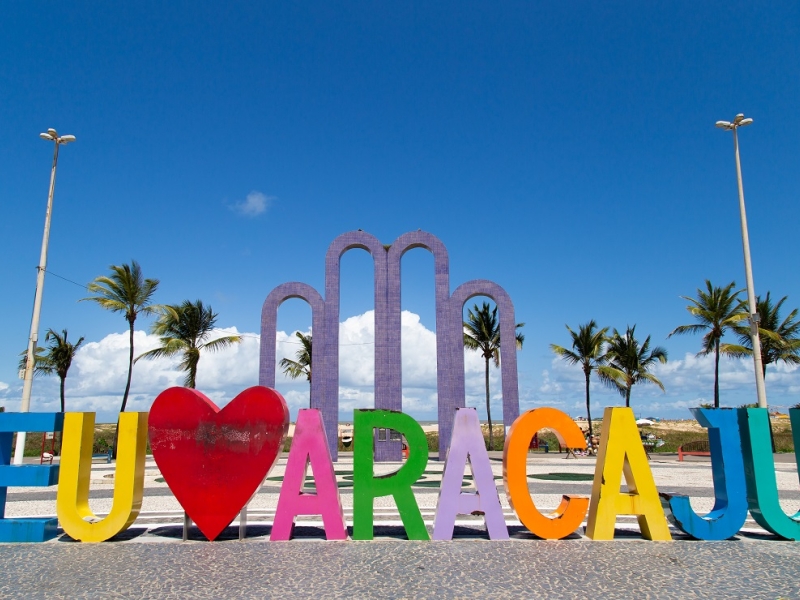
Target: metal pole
pixel 755 339
pixel 37 308
pixel 187 522
pixel 243 523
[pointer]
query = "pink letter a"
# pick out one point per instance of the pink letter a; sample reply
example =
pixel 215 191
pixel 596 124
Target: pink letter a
pixel 309 445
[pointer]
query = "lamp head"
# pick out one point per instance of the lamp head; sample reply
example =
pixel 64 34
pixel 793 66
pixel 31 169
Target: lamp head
pixel 66 139
pixel 46 136
pixel 723 125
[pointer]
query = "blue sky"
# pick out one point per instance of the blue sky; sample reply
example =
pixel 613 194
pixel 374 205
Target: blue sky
pixel 566 152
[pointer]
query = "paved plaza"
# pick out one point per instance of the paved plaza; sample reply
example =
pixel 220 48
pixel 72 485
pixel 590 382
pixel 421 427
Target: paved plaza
pixel 150 560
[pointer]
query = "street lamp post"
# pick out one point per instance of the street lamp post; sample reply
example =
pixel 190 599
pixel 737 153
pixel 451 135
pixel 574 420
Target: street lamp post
pixel 761 392
pixel 51 136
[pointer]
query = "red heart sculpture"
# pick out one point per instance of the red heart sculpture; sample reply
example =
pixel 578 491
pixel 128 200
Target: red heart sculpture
pixel 215 460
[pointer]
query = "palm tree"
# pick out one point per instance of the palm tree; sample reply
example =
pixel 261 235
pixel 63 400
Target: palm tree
pixel 482 332
pixel 780 340
pixel 716 310
pixel 629 363
pixel 56 358
pixel 301 366
pixel 125 290
pixel 184 329
pixel 587 350
pixel 60 353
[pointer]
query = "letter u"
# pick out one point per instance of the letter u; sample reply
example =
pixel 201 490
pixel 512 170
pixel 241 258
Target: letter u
pixel 72 499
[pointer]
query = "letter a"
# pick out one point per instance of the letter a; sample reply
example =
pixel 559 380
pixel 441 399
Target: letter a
pixel 72 499
pixel 309 445
pixel 621 451
pixel 466 444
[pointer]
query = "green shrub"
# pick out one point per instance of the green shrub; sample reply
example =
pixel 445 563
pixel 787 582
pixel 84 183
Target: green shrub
pixel 675 438
pixel 103 440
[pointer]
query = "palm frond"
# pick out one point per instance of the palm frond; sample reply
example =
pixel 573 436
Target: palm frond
pixel 41 362
pixel 568 355
pixel 160 352
pixel 613 378
pixel 302 366
pixel 220 343
pixel 294 369
pixel 650 378
pixel 735 350
pixel 683 329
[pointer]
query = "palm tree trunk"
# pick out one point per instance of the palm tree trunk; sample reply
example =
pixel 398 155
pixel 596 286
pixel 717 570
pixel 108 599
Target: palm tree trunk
pixel 716 373
pixel 127 390
pixel 193 358
pixel 62 393
pixel 588 410
pixel 488 407
pixel 130 371
pixel 628 396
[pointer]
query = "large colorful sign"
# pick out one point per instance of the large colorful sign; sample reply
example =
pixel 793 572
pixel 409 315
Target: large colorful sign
pixel 215 460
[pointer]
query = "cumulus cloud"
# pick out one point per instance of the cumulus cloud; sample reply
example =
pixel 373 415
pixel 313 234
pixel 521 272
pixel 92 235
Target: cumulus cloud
pixel 253 205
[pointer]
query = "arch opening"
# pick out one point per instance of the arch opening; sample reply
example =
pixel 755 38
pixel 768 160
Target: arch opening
pixel 356 325
pixel 418 343
pixel 504 320
pixel 293 381
pixel 481 372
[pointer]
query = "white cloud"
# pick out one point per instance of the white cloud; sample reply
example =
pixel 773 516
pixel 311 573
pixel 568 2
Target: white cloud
pixel 253 205
pixel 559 380
pixel 97 378
pixel 357 352
pixel 689 382
pixel 357 367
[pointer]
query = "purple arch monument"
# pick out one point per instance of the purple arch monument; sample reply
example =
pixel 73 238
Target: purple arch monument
pixel 388 346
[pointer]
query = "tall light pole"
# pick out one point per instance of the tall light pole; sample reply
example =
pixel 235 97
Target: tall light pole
pixel 761 392
pixel 51 136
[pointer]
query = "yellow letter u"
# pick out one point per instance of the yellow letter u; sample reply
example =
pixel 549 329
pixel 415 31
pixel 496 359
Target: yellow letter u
pixel 72 499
